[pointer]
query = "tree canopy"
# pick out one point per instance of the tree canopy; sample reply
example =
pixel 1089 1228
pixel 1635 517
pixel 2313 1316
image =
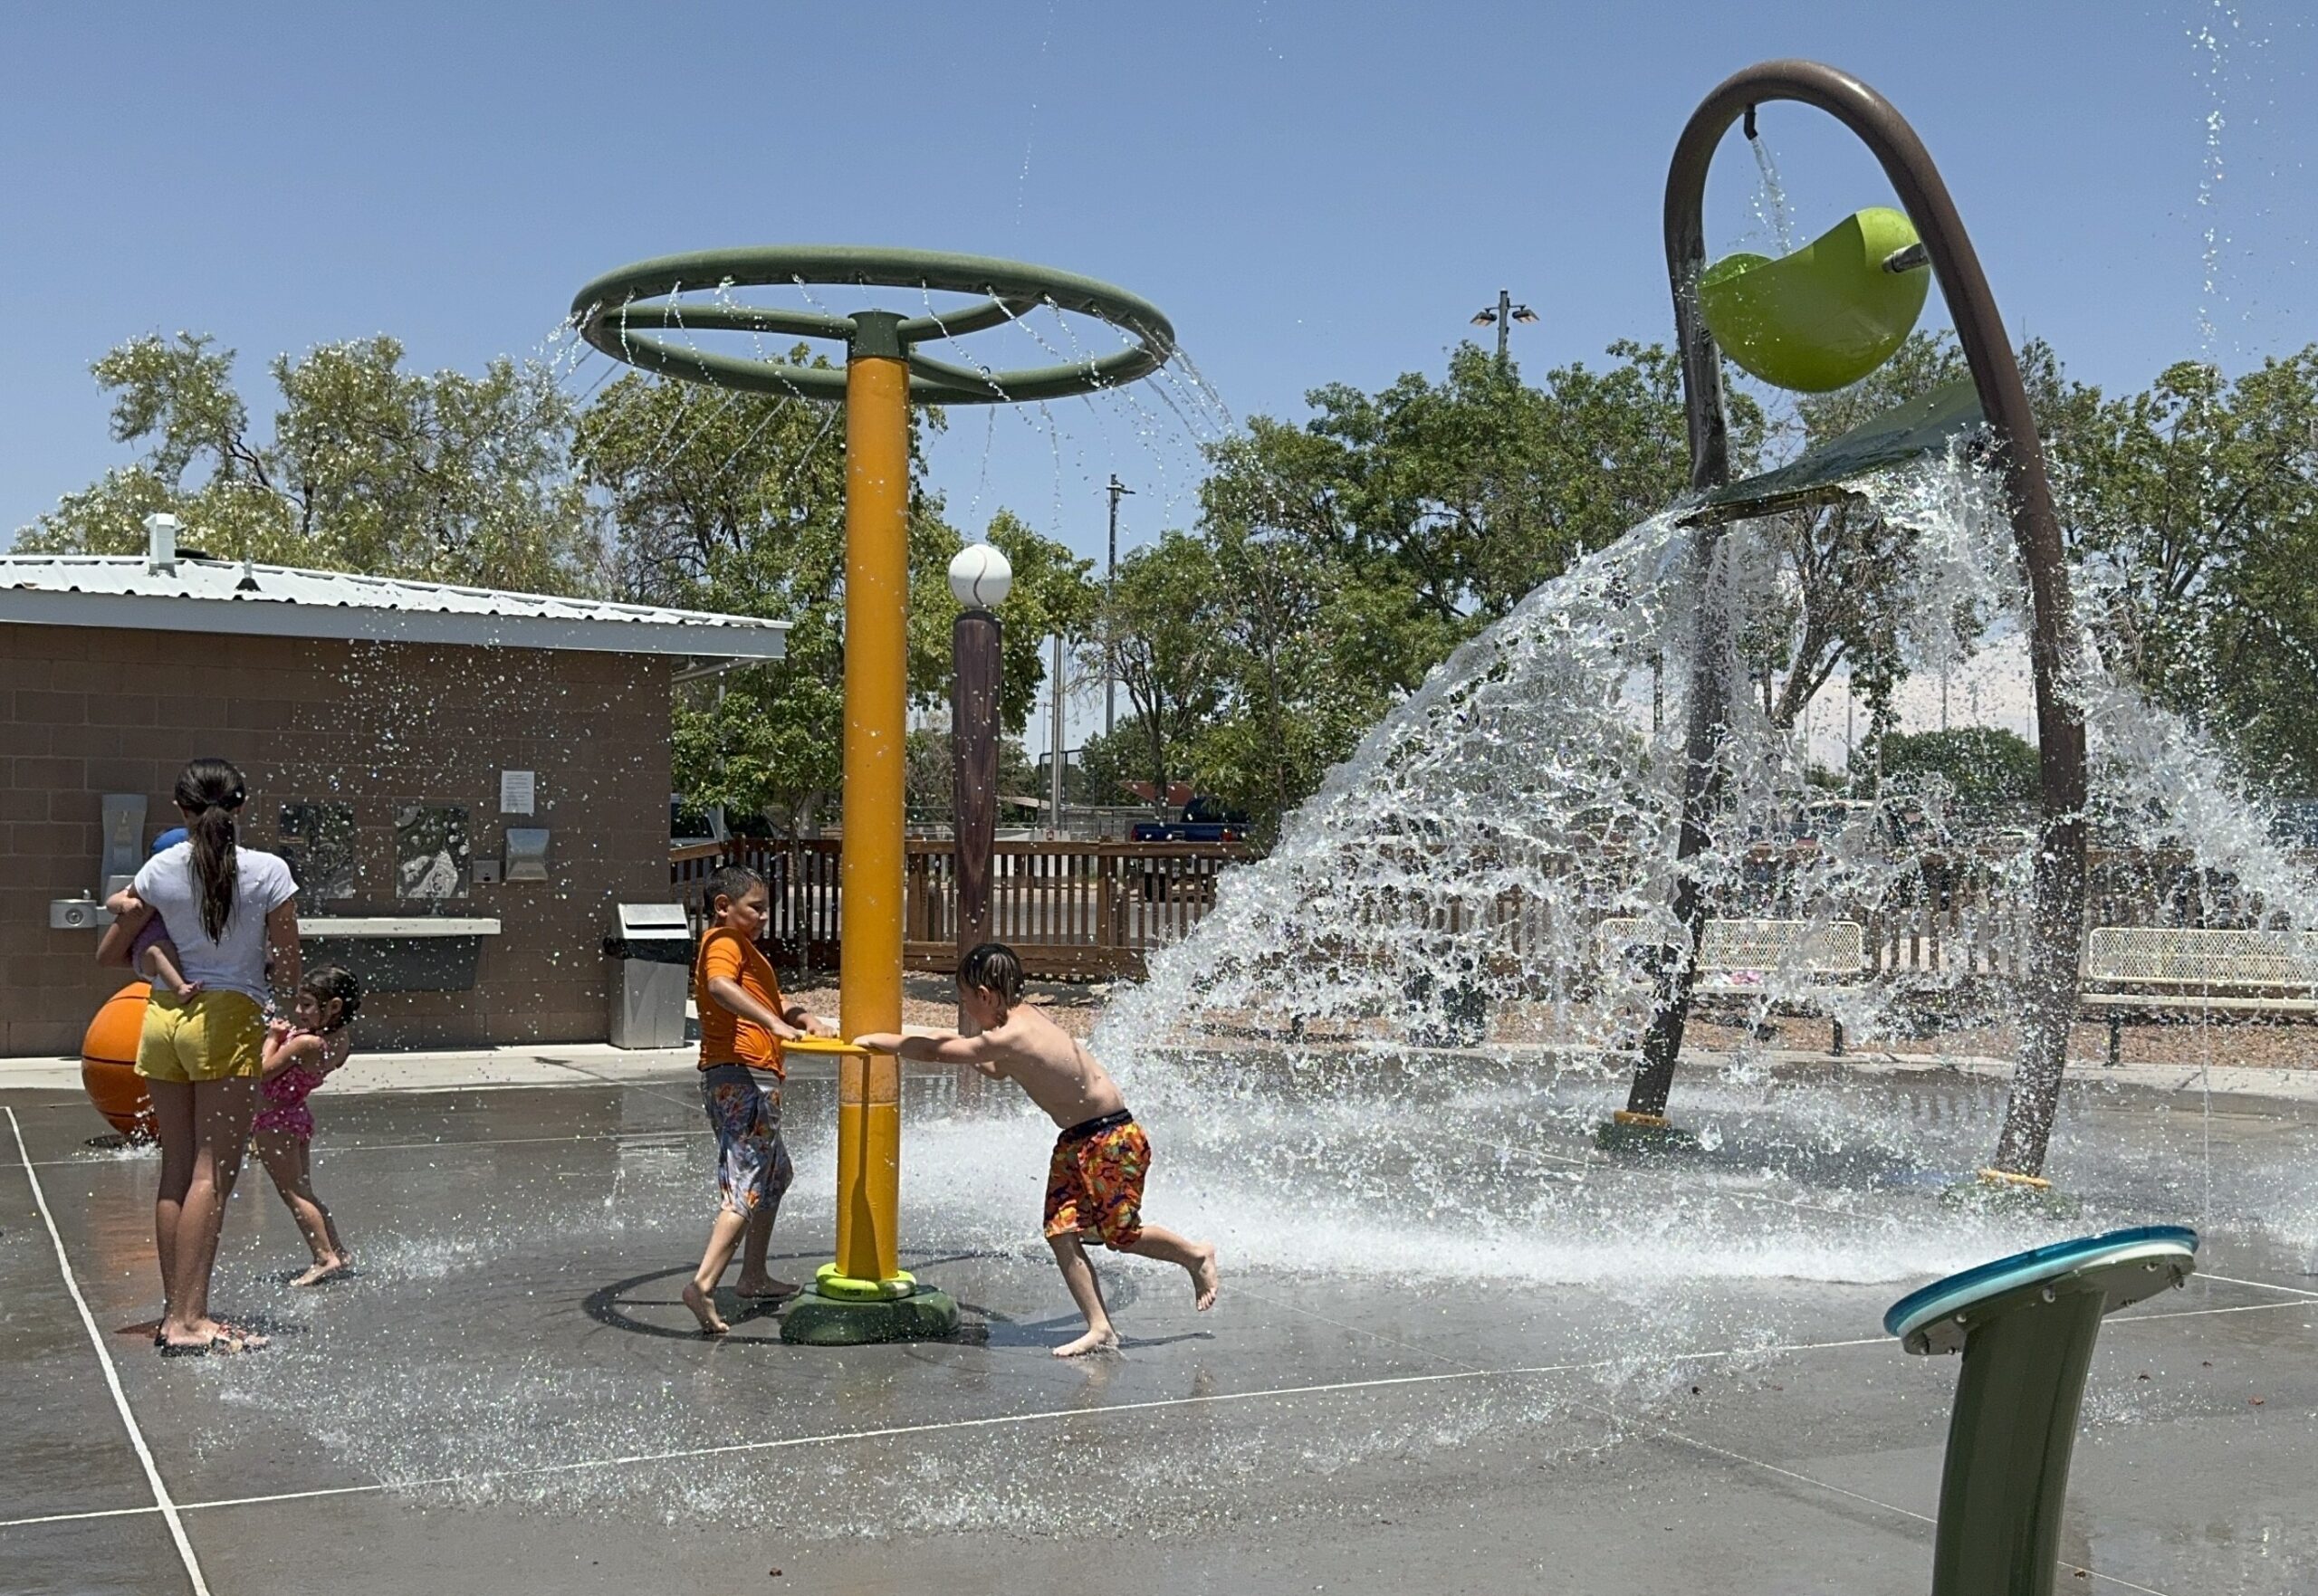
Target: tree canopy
pixel 1333 561
pixel 367 467
pixel 734 502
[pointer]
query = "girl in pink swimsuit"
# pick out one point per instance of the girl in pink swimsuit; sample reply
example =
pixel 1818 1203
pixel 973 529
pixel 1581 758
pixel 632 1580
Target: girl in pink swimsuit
pixel 298 1057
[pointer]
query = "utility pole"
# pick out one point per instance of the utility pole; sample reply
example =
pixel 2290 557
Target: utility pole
pixel 1054 749
pixel 1118 490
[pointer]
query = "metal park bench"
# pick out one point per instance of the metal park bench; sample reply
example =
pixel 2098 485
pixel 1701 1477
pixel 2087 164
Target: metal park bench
pixel 2130 968
pixel 1739 955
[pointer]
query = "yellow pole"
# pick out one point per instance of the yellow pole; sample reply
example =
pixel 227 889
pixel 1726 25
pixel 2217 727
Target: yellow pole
pixel 877 662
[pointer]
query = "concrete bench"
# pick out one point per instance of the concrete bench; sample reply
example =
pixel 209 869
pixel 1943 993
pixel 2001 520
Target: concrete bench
pixel 1739 955
pixel 2130 968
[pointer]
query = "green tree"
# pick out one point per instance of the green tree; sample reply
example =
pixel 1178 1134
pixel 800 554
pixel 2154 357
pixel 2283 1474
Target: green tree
pixel 2193 508
pixel 1838 603
pixel 1986 766
pixel 931 793
pixel 735 502
pixel 1842 567
pixel 1108 761
pixel 1347 557
pixel 1157 636
pixel 1462 495
pixel 1290 708
pixel 369 467
pixel 1054 594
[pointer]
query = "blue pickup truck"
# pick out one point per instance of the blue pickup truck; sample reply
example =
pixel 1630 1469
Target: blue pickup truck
pixel 1203 820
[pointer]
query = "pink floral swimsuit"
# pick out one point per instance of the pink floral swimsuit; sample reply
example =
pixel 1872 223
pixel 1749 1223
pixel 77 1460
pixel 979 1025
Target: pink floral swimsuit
pixel 285 1095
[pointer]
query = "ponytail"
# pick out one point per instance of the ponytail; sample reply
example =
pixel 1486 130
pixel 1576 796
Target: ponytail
pixel 210 792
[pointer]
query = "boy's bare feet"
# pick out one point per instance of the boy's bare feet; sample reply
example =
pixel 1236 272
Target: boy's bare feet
pixel 1204 1278
pixel 703 1309
pixel 333 1270
pixel 765 1290
pixel 1106 1340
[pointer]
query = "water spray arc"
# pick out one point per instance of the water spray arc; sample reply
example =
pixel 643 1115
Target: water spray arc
pixel 864 1295
pixel 2053 964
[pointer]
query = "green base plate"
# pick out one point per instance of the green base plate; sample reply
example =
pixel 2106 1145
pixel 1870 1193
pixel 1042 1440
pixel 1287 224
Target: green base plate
pixel 816 1320
pixel 1613 1137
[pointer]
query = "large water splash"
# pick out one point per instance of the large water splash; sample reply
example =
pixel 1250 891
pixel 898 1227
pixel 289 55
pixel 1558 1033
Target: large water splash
pixel 1392 1034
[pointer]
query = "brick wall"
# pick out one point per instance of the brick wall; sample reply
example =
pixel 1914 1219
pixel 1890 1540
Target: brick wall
pixel 376 726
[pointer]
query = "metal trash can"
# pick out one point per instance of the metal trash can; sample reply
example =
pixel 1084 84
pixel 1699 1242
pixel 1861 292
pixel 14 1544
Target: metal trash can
pixel 653 945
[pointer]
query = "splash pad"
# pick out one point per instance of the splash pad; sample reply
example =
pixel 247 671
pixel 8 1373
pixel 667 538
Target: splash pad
pixel 1450 1307
pixel 865 1296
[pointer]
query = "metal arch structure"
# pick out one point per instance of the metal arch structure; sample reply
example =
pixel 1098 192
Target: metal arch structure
pixel 627 313
pixel 2059 895
pixel 631 314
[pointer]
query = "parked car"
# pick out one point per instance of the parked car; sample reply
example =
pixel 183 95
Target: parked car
pixel 1205 820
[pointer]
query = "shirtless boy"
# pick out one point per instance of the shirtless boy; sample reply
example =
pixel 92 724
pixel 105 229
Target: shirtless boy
pixel 1095 1180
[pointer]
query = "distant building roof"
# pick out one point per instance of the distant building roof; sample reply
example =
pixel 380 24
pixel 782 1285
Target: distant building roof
pixel 194 595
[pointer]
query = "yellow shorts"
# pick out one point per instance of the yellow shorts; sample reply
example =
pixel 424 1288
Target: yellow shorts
pixel 208 1036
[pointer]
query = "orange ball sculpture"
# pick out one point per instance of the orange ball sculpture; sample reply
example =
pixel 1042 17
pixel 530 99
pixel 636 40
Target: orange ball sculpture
pixel 109 1064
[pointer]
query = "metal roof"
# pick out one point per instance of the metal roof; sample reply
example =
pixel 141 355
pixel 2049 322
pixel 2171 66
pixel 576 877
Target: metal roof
pixel 132 590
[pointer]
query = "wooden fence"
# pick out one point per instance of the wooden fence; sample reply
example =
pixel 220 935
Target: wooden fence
pixel 1075 911
pixel 1092 910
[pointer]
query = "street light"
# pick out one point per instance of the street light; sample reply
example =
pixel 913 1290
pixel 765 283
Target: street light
pixel 1501 316
pixel 1118 490
pixel 980 577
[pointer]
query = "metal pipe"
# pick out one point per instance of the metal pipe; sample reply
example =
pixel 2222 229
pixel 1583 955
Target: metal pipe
pixel 877 669
pixel 2052 963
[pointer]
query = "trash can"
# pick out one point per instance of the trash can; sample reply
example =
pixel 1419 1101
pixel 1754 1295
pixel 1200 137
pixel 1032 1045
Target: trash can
pixel 652 943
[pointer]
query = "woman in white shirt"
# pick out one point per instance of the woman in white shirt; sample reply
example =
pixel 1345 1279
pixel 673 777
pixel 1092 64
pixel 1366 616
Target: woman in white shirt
pixel 228 909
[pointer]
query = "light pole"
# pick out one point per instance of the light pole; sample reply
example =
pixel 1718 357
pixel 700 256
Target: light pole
pixel 1118 490
pixel 980 577
pixel 1501 316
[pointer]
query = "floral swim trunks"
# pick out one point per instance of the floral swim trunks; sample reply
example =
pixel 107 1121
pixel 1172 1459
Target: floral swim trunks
pixel 1095 1179
pixel 752 1167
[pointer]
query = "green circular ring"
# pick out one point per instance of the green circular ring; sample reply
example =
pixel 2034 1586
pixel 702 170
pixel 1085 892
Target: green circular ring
pixel 608 316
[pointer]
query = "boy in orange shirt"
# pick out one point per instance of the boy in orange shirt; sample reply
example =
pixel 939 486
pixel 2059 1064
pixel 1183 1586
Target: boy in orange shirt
pixel 744 1019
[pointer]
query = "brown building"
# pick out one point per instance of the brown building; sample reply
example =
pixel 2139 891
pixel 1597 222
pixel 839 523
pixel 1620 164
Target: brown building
pixel 464 781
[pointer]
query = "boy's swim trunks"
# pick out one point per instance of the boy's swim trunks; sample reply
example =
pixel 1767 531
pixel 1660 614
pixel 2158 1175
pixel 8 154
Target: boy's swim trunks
pixel 752 1167
pixel 1095 1180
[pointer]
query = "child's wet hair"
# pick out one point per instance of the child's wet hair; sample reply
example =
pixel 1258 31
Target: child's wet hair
pixel 326 984
pixel 731 881
pixel 994 967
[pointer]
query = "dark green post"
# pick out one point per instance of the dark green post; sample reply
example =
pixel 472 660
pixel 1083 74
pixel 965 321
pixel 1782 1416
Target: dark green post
pixel 2026 1325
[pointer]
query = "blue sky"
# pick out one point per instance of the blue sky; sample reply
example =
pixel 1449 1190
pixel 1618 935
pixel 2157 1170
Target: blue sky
pixel 1314 192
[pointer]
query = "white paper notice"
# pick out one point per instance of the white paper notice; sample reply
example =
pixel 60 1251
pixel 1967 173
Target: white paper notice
pixel 515 789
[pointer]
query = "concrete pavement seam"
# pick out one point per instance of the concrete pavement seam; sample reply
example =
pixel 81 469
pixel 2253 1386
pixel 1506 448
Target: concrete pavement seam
pixel 162 1503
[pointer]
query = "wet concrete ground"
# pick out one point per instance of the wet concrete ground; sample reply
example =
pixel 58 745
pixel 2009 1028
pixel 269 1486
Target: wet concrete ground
pixel 507 1398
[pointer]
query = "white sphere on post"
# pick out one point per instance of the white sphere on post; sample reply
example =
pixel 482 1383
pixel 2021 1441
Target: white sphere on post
pixel 980 576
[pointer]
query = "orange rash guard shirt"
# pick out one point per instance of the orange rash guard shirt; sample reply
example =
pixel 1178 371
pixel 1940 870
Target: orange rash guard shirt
pixel 724 1037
